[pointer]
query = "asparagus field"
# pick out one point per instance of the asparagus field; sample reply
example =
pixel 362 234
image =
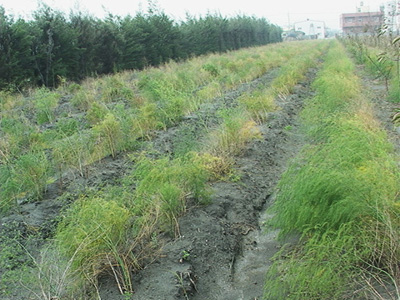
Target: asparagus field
pixel 264 173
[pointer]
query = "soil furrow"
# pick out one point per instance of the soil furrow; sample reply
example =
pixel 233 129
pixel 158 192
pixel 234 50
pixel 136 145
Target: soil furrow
pixel 222 252
pixel 38 220
pixel 206 117
pixel 109 170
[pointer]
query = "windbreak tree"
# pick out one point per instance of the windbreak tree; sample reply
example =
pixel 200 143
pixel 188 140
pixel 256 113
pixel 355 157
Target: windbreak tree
pixel 15 52
pixel 204 35
pixel 133 48
pixel 55 48
pixel 215 33
pixel 275 34
pixel 21 60
pixel 87 34
pixel 110 44
pixel 5 48
pixel 52 48
pixel 166 38
pixel 159 37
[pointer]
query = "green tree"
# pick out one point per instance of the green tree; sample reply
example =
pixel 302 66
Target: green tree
pixel 21 60
pixel 110 44
pixel 51 47
pixel 133 49
pixel 5 49
pixel 88 38
pixel 55 47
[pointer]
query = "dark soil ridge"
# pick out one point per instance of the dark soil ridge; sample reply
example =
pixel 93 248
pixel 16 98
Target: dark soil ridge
pixel 37 221
pixel 206 117
pixel 223 252
pixel 40 214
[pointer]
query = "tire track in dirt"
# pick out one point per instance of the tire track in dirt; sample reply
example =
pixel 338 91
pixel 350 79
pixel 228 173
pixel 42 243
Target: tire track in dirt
pixel 222 252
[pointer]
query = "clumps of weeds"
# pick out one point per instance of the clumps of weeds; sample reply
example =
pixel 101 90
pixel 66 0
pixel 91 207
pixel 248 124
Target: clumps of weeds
pixel 45 104
pixel 212 69
pixel 83 99
pixel 209 91
pixel 341 197
pixel 31 173
pixel 259 104
pixel 218 167
pixel 9 189
pixel 66 127
pixel 73 152
pixel 147 121
pixel 112 232
pixel 96 113
pixel 72 88
pixel 18 135
pixel 170 183
pixel 186 140
pixel 9 101
pixel 108 135
pixel 24 178
pixel 232 135
pixel 225 141
pixel 114 89
pixel 94 235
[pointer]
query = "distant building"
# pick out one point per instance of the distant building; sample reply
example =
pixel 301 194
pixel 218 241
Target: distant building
pixel 312 29
pixel 361 22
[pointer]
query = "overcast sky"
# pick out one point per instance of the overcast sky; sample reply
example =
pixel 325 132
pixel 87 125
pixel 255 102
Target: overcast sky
pixel 279 12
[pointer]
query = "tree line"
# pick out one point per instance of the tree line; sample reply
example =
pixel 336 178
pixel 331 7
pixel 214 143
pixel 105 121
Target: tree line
pixel 53 46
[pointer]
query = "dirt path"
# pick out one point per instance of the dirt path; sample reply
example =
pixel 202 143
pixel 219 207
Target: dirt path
pixel 223 252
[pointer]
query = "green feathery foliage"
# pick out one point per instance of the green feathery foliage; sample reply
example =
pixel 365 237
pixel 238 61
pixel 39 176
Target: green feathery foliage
pixel 340 195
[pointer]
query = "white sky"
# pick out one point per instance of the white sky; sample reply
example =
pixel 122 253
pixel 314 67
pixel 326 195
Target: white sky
pixel 279 12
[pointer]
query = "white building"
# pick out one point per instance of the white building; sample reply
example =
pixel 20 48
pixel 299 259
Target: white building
pixel 312 29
